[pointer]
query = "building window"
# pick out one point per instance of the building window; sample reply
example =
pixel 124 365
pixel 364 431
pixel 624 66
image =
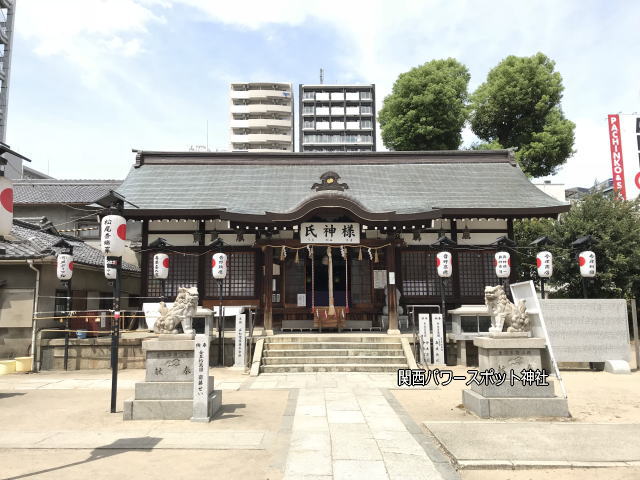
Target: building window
pixel 307 124
pixel 307 110
pixel 365 110
pixel 241 277
pixel 365 95
pixel 419 274
pixel 308 95
pixel 476 271
pixel 183 272
pixel 365 124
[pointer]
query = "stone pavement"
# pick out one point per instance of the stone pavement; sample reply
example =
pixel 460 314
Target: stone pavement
pixel 491 444
pixel 347 426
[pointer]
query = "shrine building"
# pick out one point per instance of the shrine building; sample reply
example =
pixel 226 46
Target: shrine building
pixel 315 240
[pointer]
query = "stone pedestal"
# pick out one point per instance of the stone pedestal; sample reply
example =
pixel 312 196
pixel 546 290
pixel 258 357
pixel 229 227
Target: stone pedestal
pixel 506 354
pixel 167 392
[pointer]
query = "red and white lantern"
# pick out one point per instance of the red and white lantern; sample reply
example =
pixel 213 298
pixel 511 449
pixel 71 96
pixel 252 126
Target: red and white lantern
pixel 444 264
pixel 219 266
pixel 110 271
pixel 160 266
pixel 544 263
pixel 113 235
pixel 6 206
pixel 502 262
pixel 587 262
pixel 65 266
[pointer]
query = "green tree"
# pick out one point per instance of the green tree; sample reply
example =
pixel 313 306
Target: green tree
pixel 613 222
pixel 519 106
pixel 427 107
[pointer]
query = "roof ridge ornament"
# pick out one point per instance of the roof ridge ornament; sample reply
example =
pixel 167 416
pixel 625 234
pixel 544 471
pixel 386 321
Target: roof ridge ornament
pixel 329 182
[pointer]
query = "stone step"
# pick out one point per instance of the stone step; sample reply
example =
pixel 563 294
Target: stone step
pixel 310 368
pixel 295 345
pixel 326 352
pixel 355 360
pixel 344 338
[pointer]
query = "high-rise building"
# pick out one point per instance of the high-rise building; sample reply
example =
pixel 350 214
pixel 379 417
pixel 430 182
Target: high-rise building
pixel 7 15
pixel 261 116
pixel 337 118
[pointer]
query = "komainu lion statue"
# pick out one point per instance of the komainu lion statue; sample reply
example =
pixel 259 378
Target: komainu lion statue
pixel 181 311
pixel 503 312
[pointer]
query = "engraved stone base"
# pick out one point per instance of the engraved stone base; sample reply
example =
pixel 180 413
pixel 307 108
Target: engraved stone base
pixel 514 407
pixel 167 392
pixel 512 354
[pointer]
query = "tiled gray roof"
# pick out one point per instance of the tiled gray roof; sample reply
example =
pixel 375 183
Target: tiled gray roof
pixel 28 241
pixel 409 185
pixel 42 191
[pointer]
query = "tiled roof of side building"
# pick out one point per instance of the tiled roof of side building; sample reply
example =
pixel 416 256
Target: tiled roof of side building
pixel 48 191
pixel 28 241
pixel 404 183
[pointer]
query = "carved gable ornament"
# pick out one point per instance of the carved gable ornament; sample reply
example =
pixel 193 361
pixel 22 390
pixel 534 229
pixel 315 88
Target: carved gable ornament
pixel 329 182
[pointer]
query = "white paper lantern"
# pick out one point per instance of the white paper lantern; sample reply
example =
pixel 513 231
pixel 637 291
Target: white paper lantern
pixel 587 261
pixel 544 263
pixel 160 266
pixel 6 206
pixel 444 264
pixel 110 271
pixel 502 262
pixel 219 266
pixel 113 235
pixel 65 266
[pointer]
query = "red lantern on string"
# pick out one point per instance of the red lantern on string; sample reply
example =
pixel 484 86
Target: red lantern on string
pixel 6 206
pixel 160 266
pixel 113 233
pixel 587 262
pixel 444 264
pixel 544 264
pixel 502 263
pixel 65 266
pixel 219 266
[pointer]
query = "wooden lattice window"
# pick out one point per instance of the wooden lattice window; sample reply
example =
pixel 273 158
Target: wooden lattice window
pixel 360 281
pixel 476 271
pixel 420 276
pixel 183 272
pixel 241 277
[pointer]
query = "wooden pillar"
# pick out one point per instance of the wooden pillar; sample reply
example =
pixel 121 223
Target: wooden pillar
pixel 267 290
pixel 390 259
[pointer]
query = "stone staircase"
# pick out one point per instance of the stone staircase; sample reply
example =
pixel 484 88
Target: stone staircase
pixel 332 353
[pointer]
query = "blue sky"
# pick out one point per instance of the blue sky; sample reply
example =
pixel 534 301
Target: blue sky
pixel 92 79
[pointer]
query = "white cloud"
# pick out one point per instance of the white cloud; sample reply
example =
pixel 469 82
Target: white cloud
pixel 379 39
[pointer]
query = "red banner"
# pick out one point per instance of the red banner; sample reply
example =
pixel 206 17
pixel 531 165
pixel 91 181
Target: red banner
pixel 617 164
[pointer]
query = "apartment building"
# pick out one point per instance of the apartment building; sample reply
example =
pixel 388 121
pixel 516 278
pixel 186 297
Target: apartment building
pixel 261 116
pixel 337 118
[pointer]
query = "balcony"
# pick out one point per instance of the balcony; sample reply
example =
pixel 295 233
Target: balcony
pixel 261 138
pixel 260 108
pixel 245 94
pixel 260 123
